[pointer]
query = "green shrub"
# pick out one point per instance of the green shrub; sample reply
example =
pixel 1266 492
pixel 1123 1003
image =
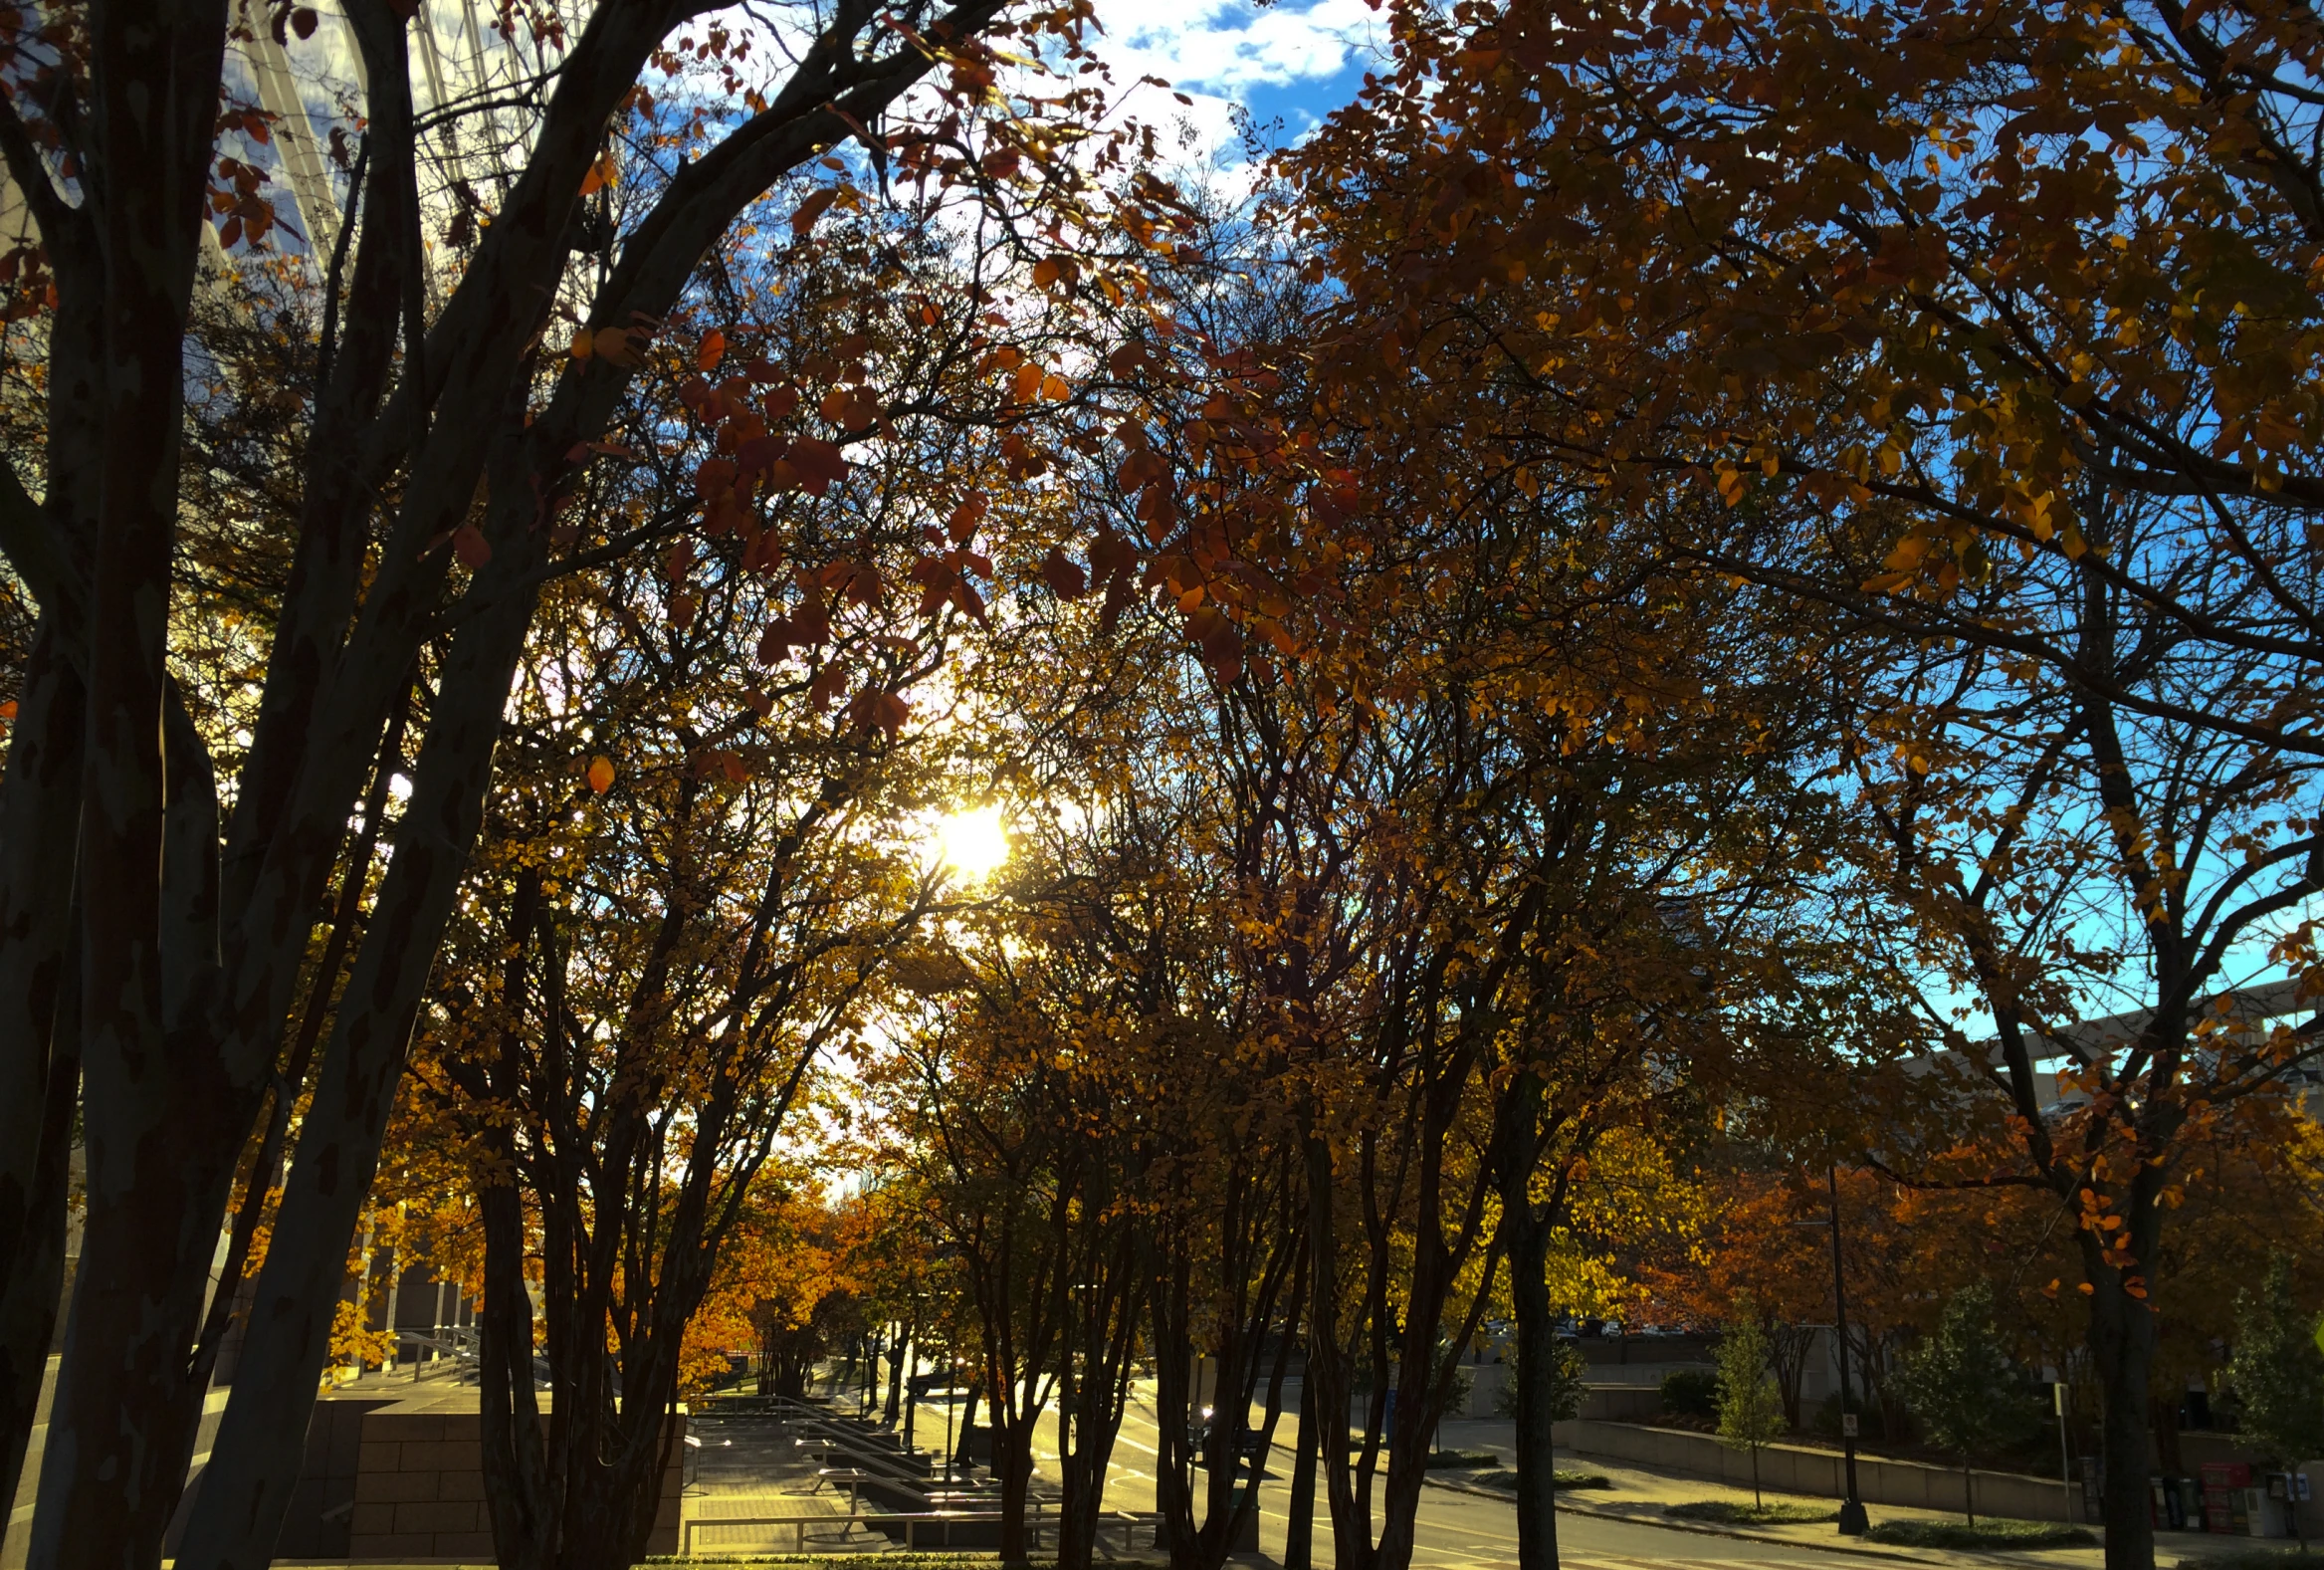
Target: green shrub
pixel 1690 1393
pixel 1733 1512
pixel 1462 1459
pixel 1985 1535
pixel 1567 1388
pixel 2241 1559
pixel 1565 1479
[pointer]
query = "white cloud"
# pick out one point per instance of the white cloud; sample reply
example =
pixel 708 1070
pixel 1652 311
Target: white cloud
pixel 1225 48
pixel 1218 52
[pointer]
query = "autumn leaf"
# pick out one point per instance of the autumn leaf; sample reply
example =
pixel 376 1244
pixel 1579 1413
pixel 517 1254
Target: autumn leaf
pixel 818 464
pixel 601 775
pixel 1065 578
pixel 471 546
pixel 710 350
pixel 804 215
pixel 612 346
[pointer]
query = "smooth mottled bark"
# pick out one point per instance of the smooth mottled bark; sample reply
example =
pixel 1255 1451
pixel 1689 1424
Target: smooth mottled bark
pixel 1300 1535
pixel 262 1436
pixel 123 1425
pixel 1536 1348
pixel 39 1072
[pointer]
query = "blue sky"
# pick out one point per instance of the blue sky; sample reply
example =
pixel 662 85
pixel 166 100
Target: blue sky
pixel 1294 61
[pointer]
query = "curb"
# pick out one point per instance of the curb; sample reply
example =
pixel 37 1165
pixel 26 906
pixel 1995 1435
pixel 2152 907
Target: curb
pixel 1699 1528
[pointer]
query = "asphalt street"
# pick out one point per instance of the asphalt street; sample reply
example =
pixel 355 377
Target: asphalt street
pixel 1457 1529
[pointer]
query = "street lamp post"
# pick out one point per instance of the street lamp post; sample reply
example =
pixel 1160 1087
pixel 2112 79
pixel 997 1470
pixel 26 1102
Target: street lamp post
pixel 1853 1519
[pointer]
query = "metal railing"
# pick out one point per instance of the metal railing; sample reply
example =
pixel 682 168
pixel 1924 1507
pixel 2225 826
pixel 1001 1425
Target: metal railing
pixel 918 1528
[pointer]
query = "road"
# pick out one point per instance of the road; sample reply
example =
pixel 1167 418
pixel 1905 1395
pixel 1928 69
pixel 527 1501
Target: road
pixel 1455 1528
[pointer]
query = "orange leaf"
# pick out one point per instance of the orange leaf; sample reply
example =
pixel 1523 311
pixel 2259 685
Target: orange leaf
pixel 611 345
pixel 471 546
pixel 804 215
pixel 601 775
pixel 710 350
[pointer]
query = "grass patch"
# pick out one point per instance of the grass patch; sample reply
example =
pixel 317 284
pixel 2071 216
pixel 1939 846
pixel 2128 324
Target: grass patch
pixel 1461 1459
pixel 1985 1535
pixel 1505 1478
pixel 1735 1512
pixel 899 1560
pixel 2248 1559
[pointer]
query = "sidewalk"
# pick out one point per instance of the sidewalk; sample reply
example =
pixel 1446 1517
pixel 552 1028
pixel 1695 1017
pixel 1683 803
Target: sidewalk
pixel 1640 1494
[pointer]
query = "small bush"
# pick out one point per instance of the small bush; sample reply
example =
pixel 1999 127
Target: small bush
pixel 1732 1512
pixel 1985 1535
pixel 1690 1393
pixel 1567 1383
pixel 1462 1459
pixel 1563 1479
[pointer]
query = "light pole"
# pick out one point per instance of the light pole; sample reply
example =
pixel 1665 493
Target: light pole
pixel 1853 1519
pixel 2065 1454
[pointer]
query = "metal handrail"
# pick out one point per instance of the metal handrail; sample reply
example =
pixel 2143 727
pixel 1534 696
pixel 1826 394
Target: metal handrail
pixel 1035 1526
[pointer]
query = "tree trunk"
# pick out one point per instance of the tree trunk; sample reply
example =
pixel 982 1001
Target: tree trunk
pixel 40 1051
pixel 1967 1491
pixel 35 1261
pixel 1014 1442
pixel 519 1487
pixel 123 1425
pixel 163 1125
pixel 896 1363
pixel 1299 1536
pixel 238 1510
pixel 2122 1344
pixel 961 1459
pixel 1536 1348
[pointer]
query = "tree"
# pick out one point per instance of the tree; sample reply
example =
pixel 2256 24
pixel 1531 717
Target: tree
pixel 2277 1370
pixel 194 920
pixel 1751 1408
pixel 1964 1390
pixel 2015 433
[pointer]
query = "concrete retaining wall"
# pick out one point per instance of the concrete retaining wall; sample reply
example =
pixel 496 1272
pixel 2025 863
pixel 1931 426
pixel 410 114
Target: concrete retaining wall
pixel 1622 1401
pixel 1793 1469
pixel 419 1487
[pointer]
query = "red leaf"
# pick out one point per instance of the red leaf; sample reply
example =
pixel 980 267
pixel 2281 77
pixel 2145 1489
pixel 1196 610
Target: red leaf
pixel 303 21
pixel 714 474
pixel 471 546
pixel 1065 578
pixel 817 463
pixel 710 350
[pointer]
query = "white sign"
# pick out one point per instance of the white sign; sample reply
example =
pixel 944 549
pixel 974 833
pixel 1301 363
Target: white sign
pixel 1849 1430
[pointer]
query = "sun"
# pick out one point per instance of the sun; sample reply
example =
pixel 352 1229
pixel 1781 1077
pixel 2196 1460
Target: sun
pixel 973 844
